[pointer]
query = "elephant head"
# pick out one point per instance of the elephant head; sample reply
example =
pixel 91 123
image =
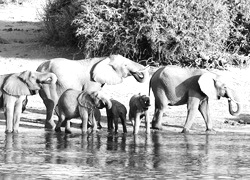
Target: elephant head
pixel 27 82
pixel 94 100
pixel 215 86
pixel 113 69
pixel 144 101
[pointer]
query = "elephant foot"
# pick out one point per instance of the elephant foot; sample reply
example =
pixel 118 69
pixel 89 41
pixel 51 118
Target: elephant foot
pixel 210 131
pixel 110 130
pixel 15 131
pixel 156 126
pixel 50 125
pixel 58 129
pixel 68 131
pixel 8 131
pixel 99 126
pixel 185 131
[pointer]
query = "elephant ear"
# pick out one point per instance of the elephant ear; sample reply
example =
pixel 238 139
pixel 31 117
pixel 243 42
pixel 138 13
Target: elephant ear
pixel 104 72
pixel 85 100
pixel 14 85
pixel 207 85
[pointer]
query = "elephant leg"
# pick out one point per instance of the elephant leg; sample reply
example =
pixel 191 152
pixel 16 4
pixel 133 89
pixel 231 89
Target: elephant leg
pixel 116 124
pixel 99 126
pixel 17 113
pixel 156 122
pixel 97 114
pixel 110 123
pixel 94 124
pixel 9 104
pixel 137 123
pixel 123 121
pixel 85 117
pixel 50 100
pixel 110 120
pixel 67 127
pixel 192 108
pixel 50 105
pixel 61 119
pixel 204 110
pixel 147 122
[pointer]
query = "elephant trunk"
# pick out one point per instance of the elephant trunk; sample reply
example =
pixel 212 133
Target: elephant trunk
pixel 230 106
pixel 107 103
pixel 141 75
pixel 232 97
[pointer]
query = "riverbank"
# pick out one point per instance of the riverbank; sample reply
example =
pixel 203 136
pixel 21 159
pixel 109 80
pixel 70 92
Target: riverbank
pixel 22 48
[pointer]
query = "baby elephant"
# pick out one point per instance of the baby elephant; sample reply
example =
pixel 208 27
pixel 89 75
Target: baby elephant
pixel 139 105
pixel 117 111
pixel 74 104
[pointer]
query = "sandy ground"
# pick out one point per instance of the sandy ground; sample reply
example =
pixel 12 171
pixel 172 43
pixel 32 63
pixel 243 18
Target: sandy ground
pixel 21 49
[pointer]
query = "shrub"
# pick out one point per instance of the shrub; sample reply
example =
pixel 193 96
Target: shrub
pixel 239 38
pixel 58 17
pixel 163 31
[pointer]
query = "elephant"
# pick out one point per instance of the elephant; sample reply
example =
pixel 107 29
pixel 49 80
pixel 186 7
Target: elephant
pixel 73 104
pixel 24 103
pixel 173 85
pixel 15 88
pixel 98 116
pixel 118 110
pixel 86 75
pixel 138 108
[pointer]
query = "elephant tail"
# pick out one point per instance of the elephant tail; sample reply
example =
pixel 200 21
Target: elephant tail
pixel 149 87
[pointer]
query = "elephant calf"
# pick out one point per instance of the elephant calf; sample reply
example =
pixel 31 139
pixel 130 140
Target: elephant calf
pixel 14 90
pixel 74 104
pixel 117 111
pixel 138 108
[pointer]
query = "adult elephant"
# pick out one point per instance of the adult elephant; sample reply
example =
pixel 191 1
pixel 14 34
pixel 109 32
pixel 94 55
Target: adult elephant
pixel 173 85
pixel 14 91
pixel 86 75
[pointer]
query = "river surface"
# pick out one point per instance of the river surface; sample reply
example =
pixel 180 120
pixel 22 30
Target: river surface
pixel 40 154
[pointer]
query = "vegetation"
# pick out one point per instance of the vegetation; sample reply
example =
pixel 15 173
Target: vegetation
pixel 188 32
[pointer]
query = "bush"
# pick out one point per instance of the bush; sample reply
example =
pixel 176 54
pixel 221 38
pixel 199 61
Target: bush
pixel 239 38
pixel 58 18
pixel 163 31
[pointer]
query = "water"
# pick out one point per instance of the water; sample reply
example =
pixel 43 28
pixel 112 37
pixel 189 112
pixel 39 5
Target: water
pixel 38 154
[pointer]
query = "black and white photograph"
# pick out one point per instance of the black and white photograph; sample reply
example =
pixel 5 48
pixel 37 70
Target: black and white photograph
pixel 124 89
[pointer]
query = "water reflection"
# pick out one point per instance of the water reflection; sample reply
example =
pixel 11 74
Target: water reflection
pixel 105 155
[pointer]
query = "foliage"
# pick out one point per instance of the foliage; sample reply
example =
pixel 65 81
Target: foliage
pixel 239 38
pixel 163 31
pixel 58 17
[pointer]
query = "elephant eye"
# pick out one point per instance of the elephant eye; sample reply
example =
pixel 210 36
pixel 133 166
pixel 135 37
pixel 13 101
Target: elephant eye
pixel 32 77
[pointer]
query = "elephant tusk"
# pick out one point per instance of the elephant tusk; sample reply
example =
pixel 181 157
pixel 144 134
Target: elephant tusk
pixel 230 99
pixel 145 69
pixel 141 72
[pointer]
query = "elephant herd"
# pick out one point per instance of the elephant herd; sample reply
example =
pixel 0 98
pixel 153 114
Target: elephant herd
pixel 72 89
